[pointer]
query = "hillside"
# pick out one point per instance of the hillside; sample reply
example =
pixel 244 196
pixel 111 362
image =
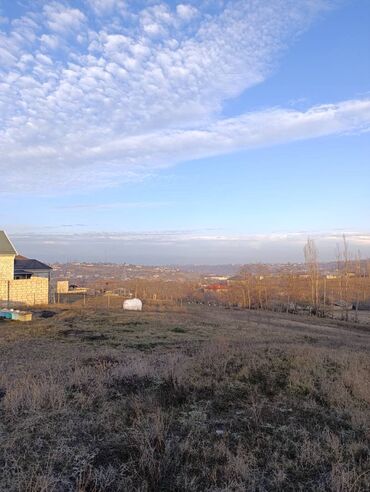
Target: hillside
pixel 188 400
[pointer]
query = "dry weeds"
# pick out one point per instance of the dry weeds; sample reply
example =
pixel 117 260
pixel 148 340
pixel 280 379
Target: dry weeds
pixel 183 401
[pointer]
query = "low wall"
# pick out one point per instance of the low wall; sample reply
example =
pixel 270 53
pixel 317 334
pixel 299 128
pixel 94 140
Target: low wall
pixel 26 291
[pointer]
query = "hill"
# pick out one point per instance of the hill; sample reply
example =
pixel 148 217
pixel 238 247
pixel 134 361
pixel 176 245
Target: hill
pixel 187 400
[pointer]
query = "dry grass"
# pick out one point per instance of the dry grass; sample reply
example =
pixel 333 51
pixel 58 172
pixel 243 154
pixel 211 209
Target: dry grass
pixel 188 400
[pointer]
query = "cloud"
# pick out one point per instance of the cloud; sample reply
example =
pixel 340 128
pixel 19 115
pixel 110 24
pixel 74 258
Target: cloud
pixel 62 19
pixel 133 156
pixel 90 99
pixel 105 7
pixel 186 12
pixel 185 247
pixel 49 42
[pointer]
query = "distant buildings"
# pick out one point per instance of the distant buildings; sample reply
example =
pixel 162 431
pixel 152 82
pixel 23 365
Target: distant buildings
pixel 216 287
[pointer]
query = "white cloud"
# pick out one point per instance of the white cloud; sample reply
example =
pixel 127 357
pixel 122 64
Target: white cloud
pixel 106 7
pixel 104 157
pixel 62 19
pixel 49 41
pixel 94 103
pixel 186 12
pixel 43 59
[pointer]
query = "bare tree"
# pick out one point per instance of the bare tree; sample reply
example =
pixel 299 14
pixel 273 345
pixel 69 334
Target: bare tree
pixel 311 259
pixel 359 281
pixel 346 265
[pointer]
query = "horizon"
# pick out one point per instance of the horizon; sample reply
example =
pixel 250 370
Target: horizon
pixel 133 248
pixel 186 132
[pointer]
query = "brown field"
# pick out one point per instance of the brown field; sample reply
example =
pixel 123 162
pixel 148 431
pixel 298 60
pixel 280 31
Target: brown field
pixel 186 400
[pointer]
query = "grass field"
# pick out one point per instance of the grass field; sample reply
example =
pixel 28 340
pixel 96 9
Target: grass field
pixel 187 400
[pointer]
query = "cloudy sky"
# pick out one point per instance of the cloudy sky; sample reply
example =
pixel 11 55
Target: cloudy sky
pixel 207 131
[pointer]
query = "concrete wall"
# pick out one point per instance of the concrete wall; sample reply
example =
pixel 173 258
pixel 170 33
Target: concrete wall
pixel 28 292
pixel 7 267
pixel 62 286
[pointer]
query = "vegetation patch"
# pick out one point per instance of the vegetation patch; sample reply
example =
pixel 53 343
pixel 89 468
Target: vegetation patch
pixel 178 329
pixel 47 314
pixel 252 407
pixel 73 333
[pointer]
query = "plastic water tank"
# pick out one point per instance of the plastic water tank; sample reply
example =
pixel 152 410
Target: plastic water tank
pixel 132 305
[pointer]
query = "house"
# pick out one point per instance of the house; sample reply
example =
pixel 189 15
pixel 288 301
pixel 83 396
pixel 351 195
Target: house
pixel 26 268
pixel 22 280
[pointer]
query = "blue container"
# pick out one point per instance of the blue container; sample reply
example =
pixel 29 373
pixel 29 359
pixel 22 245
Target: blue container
pixel 6 314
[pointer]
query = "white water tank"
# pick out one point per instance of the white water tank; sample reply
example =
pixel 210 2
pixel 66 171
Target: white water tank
pixel 132 305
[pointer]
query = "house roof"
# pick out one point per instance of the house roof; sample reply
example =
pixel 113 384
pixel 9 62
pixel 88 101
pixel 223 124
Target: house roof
pixel 22 263
pixel 6 247
pixel 21 272
pixel 216 287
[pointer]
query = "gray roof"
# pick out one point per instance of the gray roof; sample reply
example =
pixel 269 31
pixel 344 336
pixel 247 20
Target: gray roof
pixel 6 247
pixel 30 264
pixel 22 272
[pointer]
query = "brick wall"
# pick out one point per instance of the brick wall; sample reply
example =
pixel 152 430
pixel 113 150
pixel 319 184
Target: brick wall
pixel 7 267
pixel 4 290
pixel 28 291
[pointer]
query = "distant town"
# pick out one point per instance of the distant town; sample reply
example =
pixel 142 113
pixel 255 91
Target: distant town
pixel 84 274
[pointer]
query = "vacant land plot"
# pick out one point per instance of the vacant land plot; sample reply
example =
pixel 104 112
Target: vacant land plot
pixel 189 400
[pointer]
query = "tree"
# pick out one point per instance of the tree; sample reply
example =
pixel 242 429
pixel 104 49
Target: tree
pixel 311 259
pixel 343 261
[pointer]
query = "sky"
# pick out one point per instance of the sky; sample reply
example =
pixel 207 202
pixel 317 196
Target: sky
pixel 162 132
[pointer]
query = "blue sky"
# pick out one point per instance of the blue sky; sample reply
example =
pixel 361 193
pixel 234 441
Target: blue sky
pixel 184 132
